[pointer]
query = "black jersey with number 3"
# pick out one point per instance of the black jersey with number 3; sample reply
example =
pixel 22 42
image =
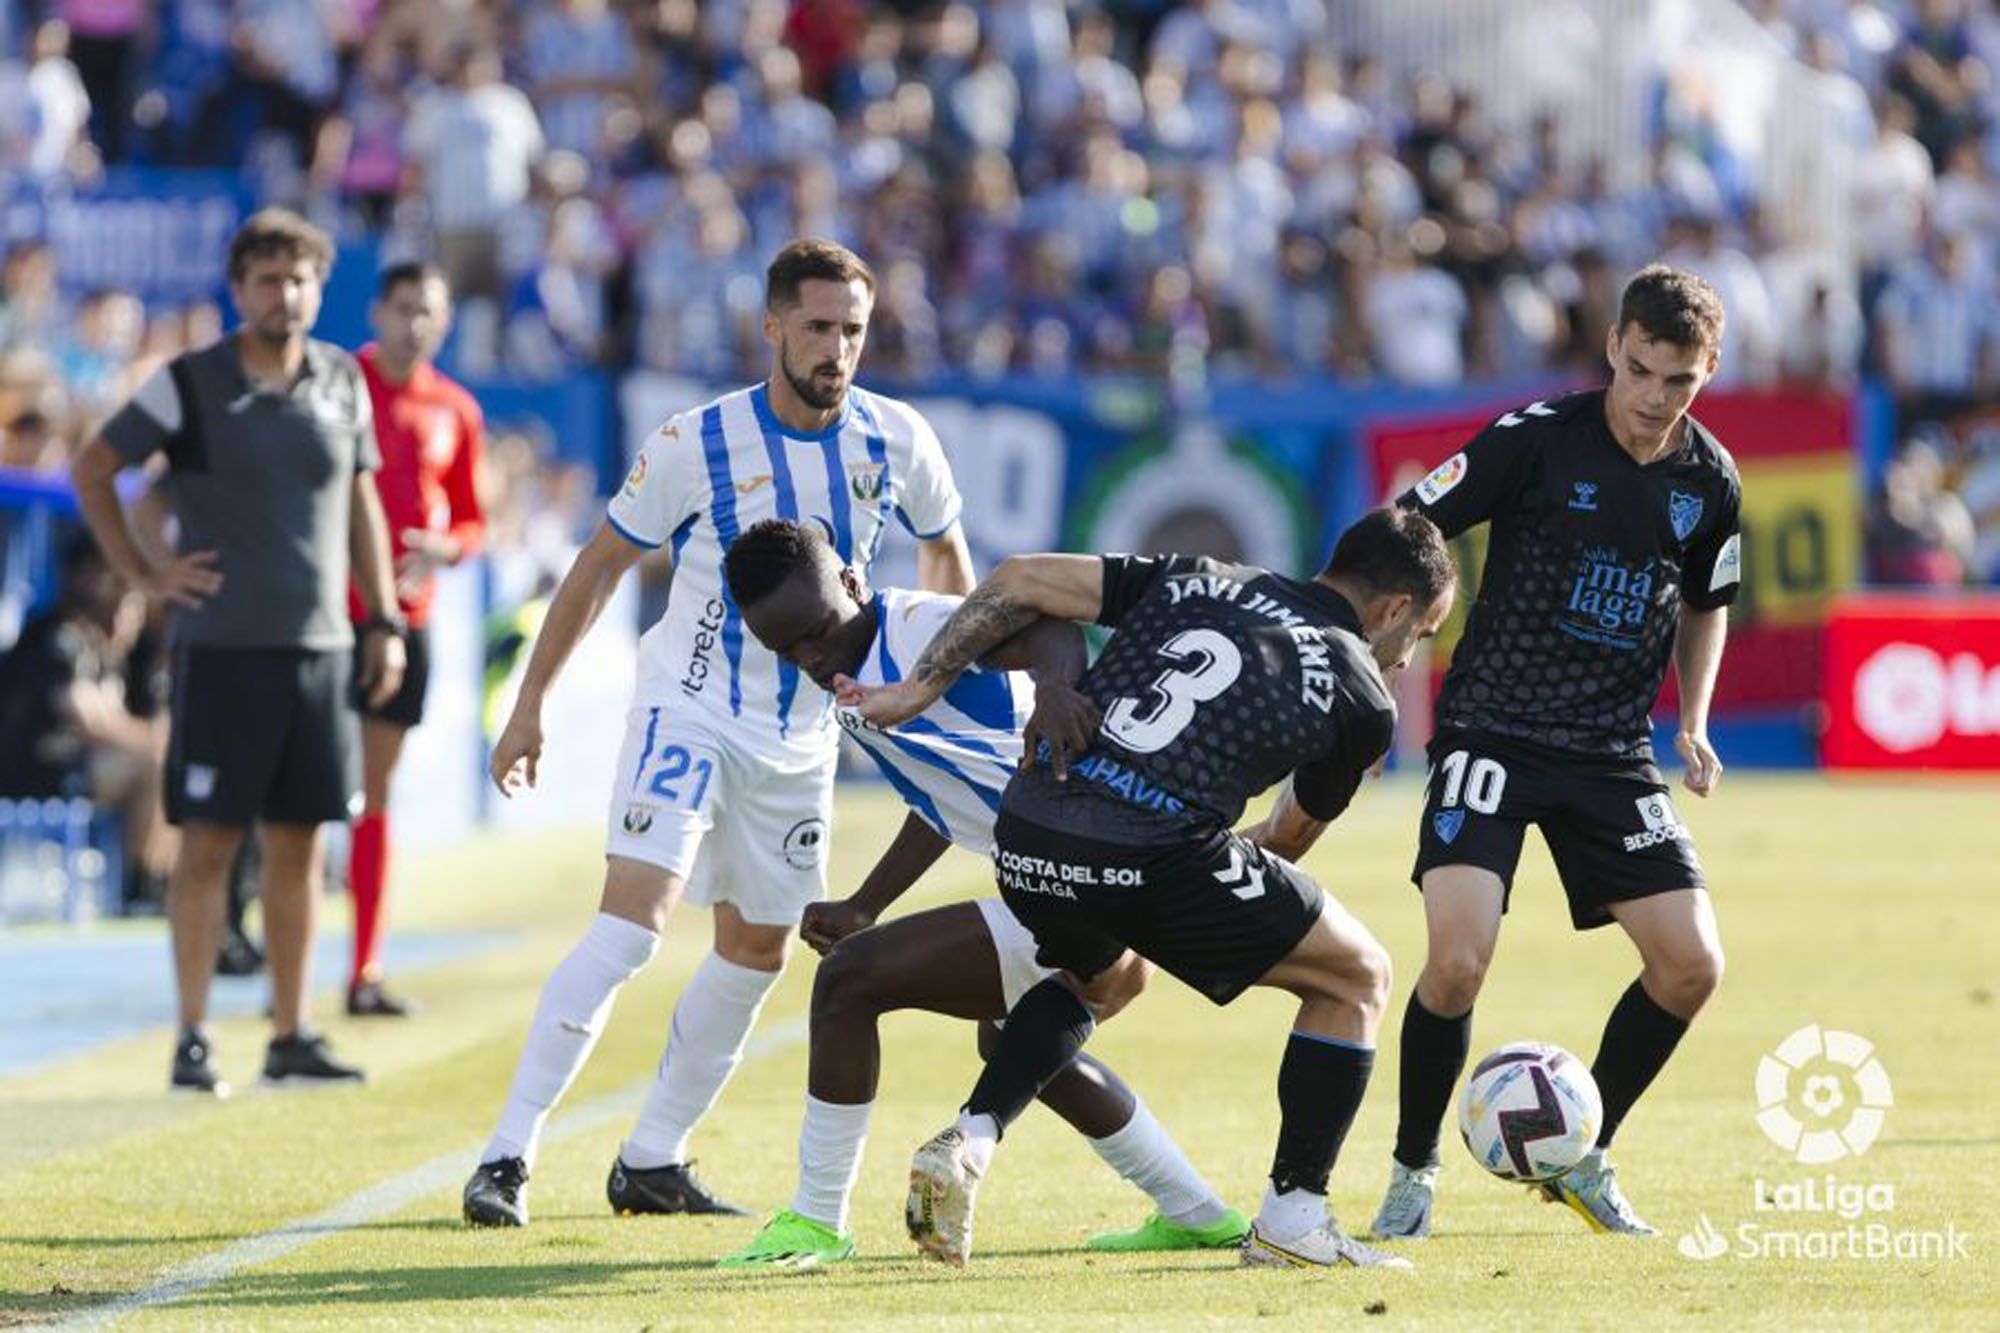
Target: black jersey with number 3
pixel 1218 681
pixel 1591 557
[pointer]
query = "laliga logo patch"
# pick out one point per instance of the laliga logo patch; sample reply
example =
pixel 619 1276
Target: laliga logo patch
pixel 1442 478
pixel 1447 823
pixel 805 844
pixel 1684 512
pixel 635 480
pixel 638 819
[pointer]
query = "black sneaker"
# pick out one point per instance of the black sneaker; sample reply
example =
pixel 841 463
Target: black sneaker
pixel 497 1194
pixel 663 1189
pixel 238 957
pixel 192 1070
pixel 367 999
pixel 301 1061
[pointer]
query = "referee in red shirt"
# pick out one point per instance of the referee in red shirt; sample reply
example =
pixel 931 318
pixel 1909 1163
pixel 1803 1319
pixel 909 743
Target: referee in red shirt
pixel 430 432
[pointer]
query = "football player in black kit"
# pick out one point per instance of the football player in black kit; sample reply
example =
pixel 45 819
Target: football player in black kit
pixel 1614 549
pixel 1219 681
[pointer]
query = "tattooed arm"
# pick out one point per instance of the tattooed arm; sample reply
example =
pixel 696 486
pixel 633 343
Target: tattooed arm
pixel 1023 589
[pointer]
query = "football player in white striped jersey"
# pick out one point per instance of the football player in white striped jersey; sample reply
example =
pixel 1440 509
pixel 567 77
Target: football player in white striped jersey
pixel 969 960
pixel 725 754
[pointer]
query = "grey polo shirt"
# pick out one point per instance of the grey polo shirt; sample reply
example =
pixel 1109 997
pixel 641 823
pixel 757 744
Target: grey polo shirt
pixel 264 478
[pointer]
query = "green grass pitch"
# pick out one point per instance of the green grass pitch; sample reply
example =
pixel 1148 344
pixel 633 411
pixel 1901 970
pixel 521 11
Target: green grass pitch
pixel 1858 906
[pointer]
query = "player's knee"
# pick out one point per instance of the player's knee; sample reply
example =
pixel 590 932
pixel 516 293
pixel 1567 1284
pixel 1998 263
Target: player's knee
pixel 1117 988
pixel 843 982
pixel 1452 978
pixel 1694 978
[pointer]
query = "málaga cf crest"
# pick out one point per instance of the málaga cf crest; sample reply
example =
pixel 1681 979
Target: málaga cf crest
pixel 1684 511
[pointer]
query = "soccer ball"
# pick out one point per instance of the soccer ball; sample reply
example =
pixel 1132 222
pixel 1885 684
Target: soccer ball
pixel 1530 1111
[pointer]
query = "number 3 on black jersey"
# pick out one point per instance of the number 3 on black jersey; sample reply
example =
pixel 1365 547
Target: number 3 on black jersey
pixel 1205 664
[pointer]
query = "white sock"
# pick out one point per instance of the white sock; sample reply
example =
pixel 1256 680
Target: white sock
pixel 1145 1154
pixel 576 1000
pixel 704 1046
pixel 1290 1215
pixel 830 1141
pixel 982 1136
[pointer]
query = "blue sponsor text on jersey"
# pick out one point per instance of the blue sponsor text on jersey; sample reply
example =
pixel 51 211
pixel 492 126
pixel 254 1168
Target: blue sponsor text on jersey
pixel 1122 781
pixel 1608 599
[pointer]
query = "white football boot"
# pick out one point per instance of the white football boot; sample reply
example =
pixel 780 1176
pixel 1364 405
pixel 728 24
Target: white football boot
pixel 938 1212
pixel 1405 1213
pixel 1325 1246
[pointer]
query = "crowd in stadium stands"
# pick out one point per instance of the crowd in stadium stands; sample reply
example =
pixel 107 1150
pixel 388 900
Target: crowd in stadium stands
pixel 1168 189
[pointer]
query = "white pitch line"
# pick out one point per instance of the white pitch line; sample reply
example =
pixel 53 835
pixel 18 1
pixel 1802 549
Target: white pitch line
pixel 387 1197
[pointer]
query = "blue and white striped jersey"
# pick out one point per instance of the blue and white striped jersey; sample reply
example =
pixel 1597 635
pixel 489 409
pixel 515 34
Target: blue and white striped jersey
pixel 710 473
pixel 952 761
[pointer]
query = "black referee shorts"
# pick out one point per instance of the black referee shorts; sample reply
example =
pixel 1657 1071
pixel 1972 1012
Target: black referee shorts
pixel 404 708
pixel 261 734
pixel 1216 912
pixel 1610 825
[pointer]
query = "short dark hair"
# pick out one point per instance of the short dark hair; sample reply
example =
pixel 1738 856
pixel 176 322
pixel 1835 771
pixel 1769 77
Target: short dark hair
pixel 808 259
pixel 766 554
pixel 278 233
pixel 1395 550
pixel 1671 305
pixel 409 270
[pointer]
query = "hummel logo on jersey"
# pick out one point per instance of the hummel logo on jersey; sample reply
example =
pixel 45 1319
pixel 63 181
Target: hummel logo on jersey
pixel 1240 878
pixel 755 483
pixel 1585 498
pixel 1531 410
pixel 1684 511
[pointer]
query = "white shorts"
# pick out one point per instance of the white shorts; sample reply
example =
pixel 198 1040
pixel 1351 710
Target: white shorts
pixel 739 826
pixel 1015 947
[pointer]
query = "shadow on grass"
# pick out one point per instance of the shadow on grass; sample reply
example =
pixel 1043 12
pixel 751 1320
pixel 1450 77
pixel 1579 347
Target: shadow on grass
pixel 39 1307
pixel 400 1286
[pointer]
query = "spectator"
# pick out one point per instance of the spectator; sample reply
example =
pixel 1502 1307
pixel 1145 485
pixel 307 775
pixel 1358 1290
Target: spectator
pixel 1919 534
pixel 103 41
pixel 581 62
pixel 30 443
pixel 74 720
pixel 473 146
pixel 262 728
pixel 1750 352
pixel 1938 323
pixel 52 104
pixel 1415 312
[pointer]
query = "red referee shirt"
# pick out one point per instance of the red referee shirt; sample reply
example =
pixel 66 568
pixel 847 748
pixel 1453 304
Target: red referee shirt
pixel 431 433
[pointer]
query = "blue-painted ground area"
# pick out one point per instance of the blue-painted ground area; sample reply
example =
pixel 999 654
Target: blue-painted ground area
pixel 62 993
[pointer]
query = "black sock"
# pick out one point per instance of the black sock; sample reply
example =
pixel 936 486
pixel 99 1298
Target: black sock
pixel 1320 1084
pixel 1044 1032
pixel 1638 1038
pixel 1434 1051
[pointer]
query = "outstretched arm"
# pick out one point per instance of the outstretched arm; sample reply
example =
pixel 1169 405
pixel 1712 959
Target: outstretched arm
pixel 1023 588
pixel 1697 662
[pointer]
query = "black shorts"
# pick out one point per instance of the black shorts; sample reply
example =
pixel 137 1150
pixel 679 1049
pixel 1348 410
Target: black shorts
pixel 261 734
pixel 1609 823
pixel 1218 913
pixel 404 708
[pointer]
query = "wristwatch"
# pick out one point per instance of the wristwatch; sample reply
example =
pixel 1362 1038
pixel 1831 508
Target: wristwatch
pixel 393 624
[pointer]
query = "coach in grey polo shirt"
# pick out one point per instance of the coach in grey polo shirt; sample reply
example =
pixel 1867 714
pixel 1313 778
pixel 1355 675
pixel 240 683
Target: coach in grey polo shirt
pixel 269 444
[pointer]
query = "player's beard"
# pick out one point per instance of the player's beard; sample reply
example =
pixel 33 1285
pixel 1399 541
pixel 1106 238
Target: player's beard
pixel 807 386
